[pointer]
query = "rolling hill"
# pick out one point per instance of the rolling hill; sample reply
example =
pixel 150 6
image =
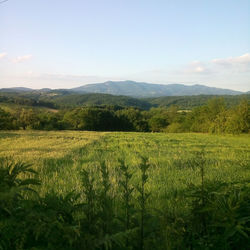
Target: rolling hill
pixel 142 89
pixel 132 89
pixel 66 99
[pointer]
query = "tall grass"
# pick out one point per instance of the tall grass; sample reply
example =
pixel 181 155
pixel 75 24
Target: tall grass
pixel 142 190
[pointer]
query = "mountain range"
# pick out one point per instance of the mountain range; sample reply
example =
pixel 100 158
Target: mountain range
pixel 140 89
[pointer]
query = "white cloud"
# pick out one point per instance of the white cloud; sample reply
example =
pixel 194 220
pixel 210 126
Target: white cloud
pixel 2 55
pixel 239 63
pixel 196 67
pixel 22 58
pixel 199 69
pixel 244 59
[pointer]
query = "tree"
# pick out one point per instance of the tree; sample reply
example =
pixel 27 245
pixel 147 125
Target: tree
pixel 158 123
pixel 27 118
pixel 6 120
pixel 134 119
pixel 239 118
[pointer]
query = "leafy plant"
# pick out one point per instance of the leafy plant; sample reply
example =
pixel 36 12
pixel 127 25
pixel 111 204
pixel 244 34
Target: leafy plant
pixel 142 198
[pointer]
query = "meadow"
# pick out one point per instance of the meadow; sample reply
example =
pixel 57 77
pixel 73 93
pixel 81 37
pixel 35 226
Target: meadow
pixel 176 166
pixel 63 153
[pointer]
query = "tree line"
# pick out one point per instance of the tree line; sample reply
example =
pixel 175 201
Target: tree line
pixel 214 117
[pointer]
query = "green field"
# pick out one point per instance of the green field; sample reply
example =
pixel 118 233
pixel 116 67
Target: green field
pixel 174 159
pixel 58 156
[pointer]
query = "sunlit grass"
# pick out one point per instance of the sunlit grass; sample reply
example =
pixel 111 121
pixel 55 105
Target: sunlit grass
pixel 58 157
pixel 35 145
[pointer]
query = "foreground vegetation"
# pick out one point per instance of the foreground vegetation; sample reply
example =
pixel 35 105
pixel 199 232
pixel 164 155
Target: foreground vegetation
pixel 123 190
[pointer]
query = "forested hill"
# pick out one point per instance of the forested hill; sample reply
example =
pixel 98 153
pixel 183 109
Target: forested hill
pixel 66 99
pixel 138 89
pixel 189 102
pixel 76 100
pixel 142 89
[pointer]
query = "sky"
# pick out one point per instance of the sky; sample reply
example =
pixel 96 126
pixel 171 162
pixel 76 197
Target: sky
pixel 65 44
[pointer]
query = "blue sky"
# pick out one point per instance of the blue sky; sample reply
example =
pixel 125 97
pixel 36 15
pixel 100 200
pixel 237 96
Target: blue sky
pixel 63 44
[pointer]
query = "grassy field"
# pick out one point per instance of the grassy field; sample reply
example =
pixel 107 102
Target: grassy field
pixel 180 194
pixel 58 156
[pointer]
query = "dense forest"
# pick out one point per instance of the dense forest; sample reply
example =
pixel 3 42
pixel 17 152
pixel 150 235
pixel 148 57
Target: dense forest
pixel 59 99
pixel 99 112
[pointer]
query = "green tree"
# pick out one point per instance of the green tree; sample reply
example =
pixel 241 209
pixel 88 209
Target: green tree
pixel 239 118
pixel 158 123
pixel 134 119
pixel 7 121
pixel 27 118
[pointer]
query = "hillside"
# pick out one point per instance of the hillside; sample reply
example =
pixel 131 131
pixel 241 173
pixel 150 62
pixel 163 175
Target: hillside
pixel 67 99
pixel 127 88
pixel 56 99
pixel 189 102
pixel 142 89
pixel 76 100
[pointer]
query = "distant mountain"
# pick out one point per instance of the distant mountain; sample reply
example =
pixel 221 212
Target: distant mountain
pixel 16 89
pixel 132 89
pixel 142 89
